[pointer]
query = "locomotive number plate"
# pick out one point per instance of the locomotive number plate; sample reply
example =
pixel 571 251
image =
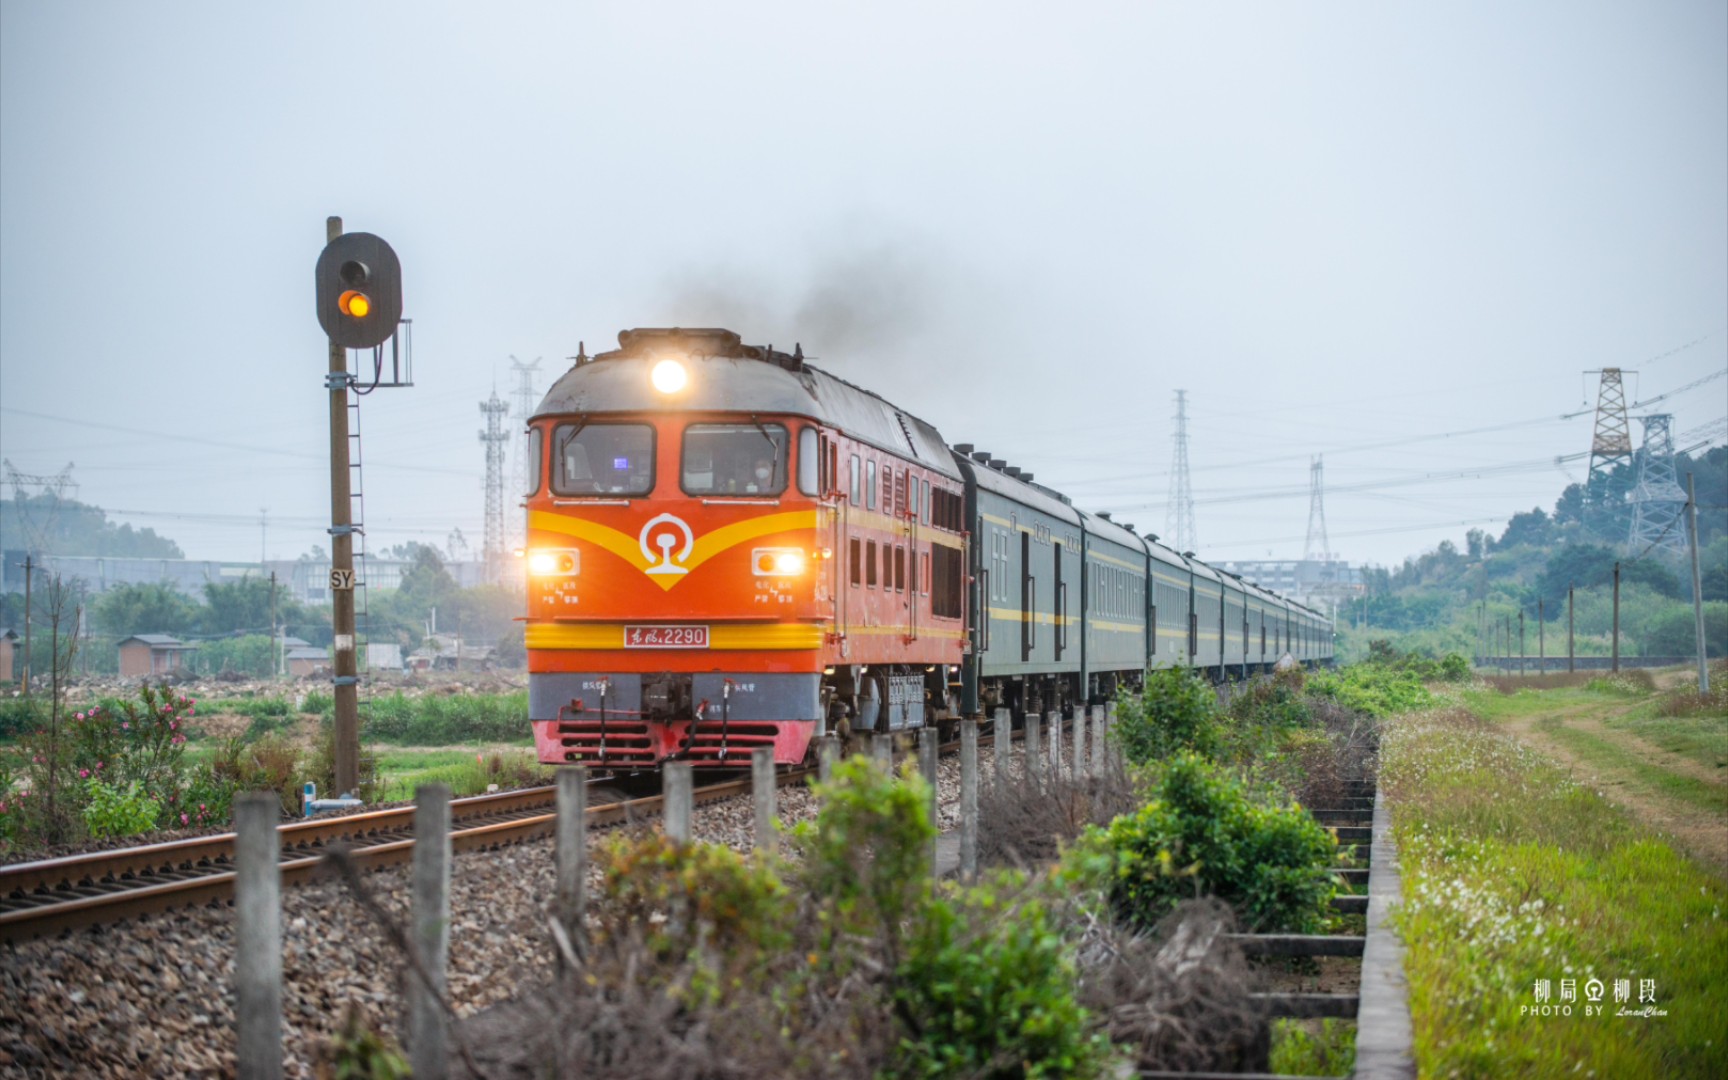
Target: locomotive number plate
pixel 665 637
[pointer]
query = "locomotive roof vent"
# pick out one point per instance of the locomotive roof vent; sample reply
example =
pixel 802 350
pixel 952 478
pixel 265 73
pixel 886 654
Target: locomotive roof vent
pixel 982 457
pixel 998 464
pixel 1105 514
pixel 682 342
pixel 1012 470
pixel 1026 476
pixel 963 448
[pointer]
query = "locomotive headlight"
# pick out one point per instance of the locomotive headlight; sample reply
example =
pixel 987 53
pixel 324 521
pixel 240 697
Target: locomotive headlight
pixel 669 376
pixel 777 562
pixel 554 562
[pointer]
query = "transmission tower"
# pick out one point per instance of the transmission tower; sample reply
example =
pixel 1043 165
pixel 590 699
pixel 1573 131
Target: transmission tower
pixel 492 548
pixel 39 533
pixel 518 536
pixel 1612 442
pixel 1657 501
pixel 1179 519
pixel 1318 548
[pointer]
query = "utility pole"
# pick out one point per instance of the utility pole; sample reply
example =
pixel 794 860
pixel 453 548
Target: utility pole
pixel 29 566
pixel 1541 640
pixel 1571 649
pixel 1697 594
pixel 347 678
pixel 1616 668
pixel 1520 643
pixel 275 631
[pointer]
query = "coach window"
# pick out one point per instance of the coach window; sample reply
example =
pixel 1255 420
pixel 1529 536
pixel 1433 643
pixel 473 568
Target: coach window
pixel 870 564
pixel 856 490
pixel 870 485
pixel 603 459
pixel 888 506
pixel 853 558
pixel 534 435
pixel 899 569
pixel 809 463
pixel 734 459
pixel 887 566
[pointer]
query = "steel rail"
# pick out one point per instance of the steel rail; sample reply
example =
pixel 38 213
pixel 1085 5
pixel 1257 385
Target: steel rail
pixel 503 822
pixel 108 886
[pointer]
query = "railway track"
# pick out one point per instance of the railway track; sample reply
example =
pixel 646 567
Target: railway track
pixel 52 895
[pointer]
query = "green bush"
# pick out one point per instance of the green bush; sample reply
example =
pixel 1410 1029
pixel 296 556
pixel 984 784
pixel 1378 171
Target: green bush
pixel 20 716
pixel 1372 689
pixel 988 990
pixel 439 720
pixel 115 810
pixel 1328 1051
pixel 1177 710
pixel 1203 834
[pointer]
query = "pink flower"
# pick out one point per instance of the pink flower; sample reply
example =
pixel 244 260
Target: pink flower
pixel 80 716
pixel 200 806
pixel 184 820
pixel 100 764
pixel 83 774
pixel 126 725
pixel 172 725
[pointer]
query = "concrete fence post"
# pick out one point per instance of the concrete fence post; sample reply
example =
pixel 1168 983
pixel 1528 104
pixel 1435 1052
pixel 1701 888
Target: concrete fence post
pixel 1079 741
pixel 678 800
pixel 882 750
pixel 762 791
pixel 1004 730
pixel 1097 740
pixel 431 921
pixel 258 935
pixel 827 753
pixel 969 799
pixel 1034 756
pixel 1055 719
pixel 927 765
pixel 570 860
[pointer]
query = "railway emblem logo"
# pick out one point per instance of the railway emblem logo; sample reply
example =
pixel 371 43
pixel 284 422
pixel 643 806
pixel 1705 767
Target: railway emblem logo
pixel 664 532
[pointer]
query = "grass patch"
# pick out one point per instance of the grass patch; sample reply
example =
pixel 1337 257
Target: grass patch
pixel 1314 1047
pixel 1514 873
pixel 1609 756
pixel 468 772
pixel 1702 739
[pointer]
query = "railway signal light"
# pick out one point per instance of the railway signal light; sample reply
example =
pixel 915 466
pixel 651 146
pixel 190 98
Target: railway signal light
pixel 359 290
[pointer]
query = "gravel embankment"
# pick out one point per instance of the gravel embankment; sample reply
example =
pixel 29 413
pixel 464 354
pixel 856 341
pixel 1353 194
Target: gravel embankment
pixel 155 998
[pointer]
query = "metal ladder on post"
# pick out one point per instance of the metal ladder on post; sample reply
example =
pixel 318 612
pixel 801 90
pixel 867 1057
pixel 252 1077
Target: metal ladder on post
pixel 357 516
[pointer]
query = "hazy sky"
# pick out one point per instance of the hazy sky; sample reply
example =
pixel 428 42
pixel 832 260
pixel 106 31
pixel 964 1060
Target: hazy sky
pixel 1338 226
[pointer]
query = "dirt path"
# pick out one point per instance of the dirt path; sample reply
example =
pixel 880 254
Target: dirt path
pixel 1696 830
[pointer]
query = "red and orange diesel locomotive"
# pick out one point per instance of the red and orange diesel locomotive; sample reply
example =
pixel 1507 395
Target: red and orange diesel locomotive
pixel 695 505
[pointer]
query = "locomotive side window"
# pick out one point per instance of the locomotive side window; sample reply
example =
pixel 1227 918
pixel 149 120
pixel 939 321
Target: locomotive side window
pixel 534 436
pixel 888 490
pixel 870 485
pixel 924 577
pixel 887 566
pixel 899 569
pixel 853 558
pixel 603 459
pixel 809 463
pixel 870 564
pixel 734 459
pixel 857 488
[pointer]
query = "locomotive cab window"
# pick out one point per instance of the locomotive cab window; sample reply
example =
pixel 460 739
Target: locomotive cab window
pixel 809 463
pixel 534 437
pixel 734 459
pixel 857 485
pixel 870 485
pixel 603 459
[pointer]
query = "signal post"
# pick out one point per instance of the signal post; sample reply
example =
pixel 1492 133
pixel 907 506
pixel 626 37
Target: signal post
pixel 359 287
